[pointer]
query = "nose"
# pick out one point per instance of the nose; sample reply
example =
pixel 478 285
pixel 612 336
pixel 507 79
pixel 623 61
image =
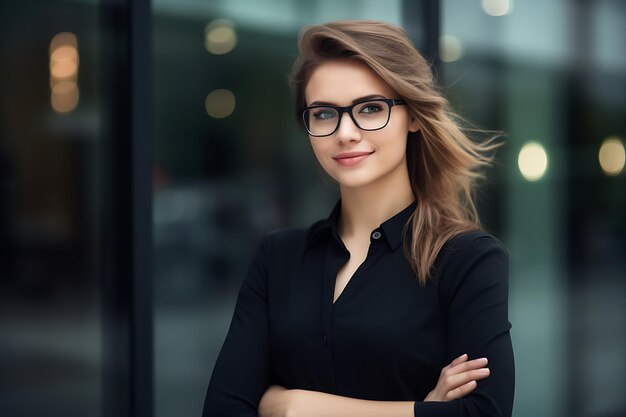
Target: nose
pixel 347 130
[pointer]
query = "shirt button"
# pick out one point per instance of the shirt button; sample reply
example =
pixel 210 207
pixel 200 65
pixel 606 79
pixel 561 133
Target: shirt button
pixel 324 340
pixel 376 235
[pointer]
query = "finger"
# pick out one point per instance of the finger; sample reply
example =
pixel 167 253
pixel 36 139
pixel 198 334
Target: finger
pixel 468 366
pixel 455 362
pixel 461 391
pixel 455 381
pixel 459 360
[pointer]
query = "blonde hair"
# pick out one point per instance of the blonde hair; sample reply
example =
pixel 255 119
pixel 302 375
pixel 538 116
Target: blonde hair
pixel 442 161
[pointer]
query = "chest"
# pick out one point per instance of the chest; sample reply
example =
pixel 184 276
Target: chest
pixel 333 299
pixel 333 312
pixel 357 256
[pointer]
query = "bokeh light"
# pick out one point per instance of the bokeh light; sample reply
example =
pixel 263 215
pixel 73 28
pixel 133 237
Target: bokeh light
pixel 64 96
pixel 63 65
pixel 612 156
pixel 498 7
pixel 220 37
pixel 64 62
pixel 220 103
pixel 532 161
pixel 63 39
pixel 450 48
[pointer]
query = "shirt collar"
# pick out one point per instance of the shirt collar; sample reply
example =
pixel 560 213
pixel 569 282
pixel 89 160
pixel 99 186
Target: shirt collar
pixel 391 228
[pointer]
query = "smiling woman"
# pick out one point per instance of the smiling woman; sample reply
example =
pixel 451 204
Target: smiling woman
pixel 394 304
pixel 372 139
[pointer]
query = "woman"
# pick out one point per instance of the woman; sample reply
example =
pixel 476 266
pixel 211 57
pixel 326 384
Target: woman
pixel 363 313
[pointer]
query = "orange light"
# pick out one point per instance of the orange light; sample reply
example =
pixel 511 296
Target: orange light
pixel 64 72
pixel 64 97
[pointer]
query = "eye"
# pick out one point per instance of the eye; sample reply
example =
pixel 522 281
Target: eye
pixel 370 108
pixel 323 114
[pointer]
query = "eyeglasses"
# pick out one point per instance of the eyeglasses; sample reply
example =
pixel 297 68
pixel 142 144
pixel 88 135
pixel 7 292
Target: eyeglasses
pixel 368 115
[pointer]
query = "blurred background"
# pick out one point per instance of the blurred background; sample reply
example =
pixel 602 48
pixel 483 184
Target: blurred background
pixel 146 147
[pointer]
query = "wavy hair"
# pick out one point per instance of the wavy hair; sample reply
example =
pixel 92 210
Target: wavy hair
pixel 444 164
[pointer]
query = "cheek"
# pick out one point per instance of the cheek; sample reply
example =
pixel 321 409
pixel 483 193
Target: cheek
pixel 393 144
pixel 324 158
pixel 318 150
pixel 400 137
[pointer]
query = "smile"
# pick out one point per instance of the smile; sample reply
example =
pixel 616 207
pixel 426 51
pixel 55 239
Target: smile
pixel 350 160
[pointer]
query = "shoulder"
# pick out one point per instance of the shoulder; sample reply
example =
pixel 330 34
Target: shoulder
pixel 288 241
pixel 475 258
pixel 286 236
pixel 279 250
pixel 298 235
pixel 473 242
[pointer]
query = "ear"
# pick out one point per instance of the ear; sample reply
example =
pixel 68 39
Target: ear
pixel 413 124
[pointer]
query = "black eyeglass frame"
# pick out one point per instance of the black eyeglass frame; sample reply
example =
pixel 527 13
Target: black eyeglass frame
pixel 348 109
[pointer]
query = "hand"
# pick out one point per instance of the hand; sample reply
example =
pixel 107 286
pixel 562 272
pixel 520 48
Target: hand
pixel 275 402
pixel 458 379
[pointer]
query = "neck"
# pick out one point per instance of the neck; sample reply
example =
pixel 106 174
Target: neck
pixel 365 208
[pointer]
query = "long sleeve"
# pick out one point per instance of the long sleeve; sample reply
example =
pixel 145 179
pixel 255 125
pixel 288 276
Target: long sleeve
pixel 477 316
pixel 242 370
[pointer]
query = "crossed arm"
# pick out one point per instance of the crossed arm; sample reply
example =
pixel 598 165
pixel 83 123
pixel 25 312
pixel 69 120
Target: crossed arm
pixel 476 294
pixel 456 380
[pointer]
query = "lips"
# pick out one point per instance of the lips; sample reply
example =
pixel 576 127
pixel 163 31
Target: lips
pixel 350 155
pixel 351 158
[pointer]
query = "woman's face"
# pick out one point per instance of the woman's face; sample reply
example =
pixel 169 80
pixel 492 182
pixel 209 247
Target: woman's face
pixel 340 83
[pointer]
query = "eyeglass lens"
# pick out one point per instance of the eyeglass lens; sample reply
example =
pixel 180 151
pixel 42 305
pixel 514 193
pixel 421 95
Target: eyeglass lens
pixel 370 115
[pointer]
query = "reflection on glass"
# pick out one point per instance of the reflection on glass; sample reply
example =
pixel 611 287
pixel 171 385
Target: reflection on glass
pixel 51 343
pixel 227 173
pixel 564 83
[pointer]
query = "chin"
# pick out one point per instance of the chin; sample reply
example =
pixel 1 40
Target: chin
pixel 354 181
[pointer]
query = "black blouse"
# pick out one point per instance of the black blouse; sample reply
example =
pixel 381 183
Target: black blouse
pixel 385 338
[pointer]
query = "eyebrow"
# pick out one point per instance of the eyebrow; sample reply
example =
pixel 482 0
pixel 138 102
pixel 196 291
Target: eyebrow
pixel 327 103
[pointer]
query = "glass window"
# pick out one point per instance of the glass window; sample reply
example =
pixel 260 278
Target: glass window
pixel 231 164
pixel 51 344
pixel 551 75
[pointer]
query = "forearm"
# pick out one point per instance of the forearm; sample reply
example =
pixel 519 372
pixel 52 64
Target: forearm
pixel 320 404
